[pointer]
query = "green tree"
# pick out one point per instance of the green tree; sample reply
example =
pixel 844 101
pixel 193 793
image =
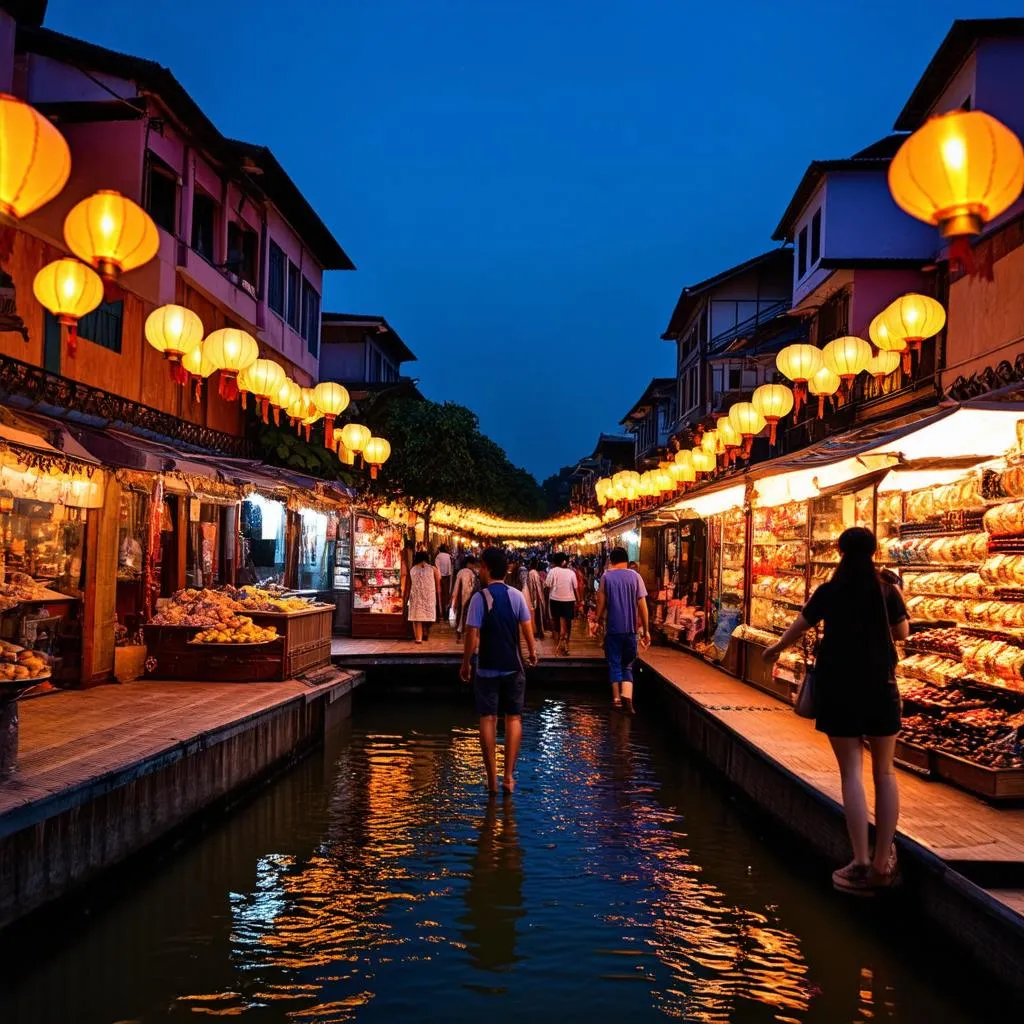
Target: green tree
pixel 439 455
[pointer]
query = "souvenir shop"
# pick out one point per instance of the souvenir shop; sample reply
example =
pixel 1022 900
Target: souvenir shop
pixel 945 497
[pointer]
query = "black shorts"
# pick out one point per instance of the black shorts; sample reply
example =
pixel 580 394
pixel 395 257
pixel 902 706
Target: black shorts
pixel 563 610
pixel 500 695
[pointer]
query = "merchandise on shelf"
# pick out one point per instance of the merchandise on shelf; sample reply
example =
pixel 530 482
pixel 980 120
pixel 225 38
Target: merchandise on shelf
pixel 962 496
pixel 210 608
pixel 376 567
pixel 1005 520
pixel 237 630
pixel 968 548
pixel 946 582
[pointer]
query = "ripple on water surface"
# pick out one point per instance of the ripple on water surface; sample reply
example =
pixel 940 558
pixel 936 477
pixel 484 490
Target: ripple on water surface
pixel 380 883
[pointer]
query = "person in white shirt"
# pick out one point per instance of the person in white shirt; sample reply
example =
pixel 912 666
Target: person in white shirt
pixel 563 597
pixel 443 564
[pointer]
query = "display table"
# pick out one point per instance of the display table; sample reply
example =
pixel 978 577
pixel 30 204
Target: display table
pixel 304 643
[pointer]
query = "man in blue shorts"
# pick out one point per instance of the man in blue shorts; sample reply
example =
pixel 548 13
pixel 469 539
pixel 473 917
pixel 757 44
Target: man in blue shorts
pixel 498 616
pixel 621 604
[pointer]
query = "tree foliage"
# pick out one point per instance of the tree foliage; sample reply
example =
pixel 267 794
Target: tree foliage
pixel 439 455
pixel 281 446
pixel 556 491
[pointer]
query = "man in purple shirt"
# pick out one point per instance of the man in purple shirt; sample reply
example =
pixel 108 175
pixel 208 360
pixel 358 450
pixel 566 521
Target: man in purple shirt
pixel 621 603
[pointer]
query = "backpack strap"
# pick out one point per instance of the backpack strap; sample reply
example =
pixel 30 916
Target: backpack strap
pixel 488 600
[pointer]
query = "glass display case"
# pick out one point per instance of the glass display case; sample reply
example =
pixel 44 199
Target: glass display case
pixel 830 516
pixel 342 577
pixel 263 531
pixel 378 578
pixel 317 532
pixel 778 585
pixel 44 541
pixel 727 585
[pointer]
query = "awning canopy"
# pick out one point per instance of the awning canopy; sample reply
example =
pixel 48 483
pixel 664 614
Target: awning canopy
pixel 42 434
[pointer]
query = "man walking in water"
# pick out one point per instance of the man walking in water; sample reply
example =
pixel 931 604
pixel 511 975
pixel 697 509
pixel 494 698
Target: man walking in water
pixel 621 602
pixel 498 617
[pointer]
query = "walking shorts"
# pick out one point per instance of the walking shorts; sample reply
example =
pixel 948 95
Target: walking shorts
pixel 500 695
pixel 563 610
pixel 620 651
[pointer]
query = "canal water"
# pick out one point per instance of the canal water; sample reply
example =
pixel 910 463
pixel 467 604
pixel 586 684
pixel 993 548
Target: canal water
pixel 377 882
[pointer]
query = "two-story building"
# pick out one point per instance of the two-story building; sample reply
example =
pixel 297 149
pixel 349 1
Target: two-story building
pixel 365 353
pixel 650 421
pixel 854 251
pixel 726 329
pixel 180 502
pixel 980 65
pixel 239 242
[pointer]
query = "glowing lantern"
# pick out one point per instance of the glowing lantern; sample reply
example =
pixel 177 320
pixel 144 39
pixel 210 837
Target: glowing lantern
pixel 354 436
pixel 729 437
pixel 703 462
pixel 346 455
pixel 911 318
pixel 376 452
pixel 958 171
pixel 230 351
pixel 198 368
pixel 175 331
pixel 824 384
pixel 264 379
pixel 646 487
pixel 798 363
pixel 304 412
pixel 882 364
pixel 878 332
pixel 748 422
pixel 601 491
pixel 287 395
pixel 663 481
pixel 331 400
pixel 34 163
pixel 772 401
pixel 846 357
pixel 709 441
pixel 69 290
pixel 111 233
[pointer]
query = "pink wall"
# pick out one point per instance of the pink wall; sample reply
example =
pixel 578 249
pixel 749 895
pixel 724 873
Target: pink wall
pixel 873 290
pixel 112 155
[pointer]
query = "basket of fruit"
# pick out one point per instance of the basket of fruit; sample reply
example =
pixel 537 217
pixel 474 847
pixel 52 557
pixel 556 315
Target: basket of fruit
pixel 239 631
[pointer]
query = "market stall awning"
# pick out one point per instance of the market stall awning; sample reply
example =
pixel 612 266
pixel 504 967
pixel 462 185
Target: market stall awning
pixel 41 434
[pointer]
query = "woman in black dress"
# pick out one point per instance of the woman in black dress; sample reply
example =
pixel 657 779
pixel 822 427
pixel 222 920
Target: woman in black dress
pixel 856 697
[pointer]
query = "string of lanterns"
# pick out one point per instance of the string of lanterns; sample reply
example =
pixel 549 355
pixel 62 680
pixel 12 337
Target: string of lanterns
pixel 111 235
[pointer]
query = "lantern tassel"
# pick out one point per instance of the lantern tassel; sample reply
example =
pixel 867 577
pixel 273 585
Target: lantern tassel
pixel 328 431
pixel 72 336
pixel 821 407
pixel 198 391
pixel 798 398
pixel 771 432
pixel 264 405
pixel 905 361
pixel 277 417
pixel 178 372
pixel 245 398
pixel 228 386
pixel 373 472
pixel 307 426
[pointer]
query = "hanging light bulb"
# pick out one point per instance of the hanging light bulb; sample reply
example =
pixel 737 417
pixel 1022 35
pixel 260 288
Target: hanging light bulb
pixel 772 401
pixel 824 384
pixel 174 331
pixel 69 290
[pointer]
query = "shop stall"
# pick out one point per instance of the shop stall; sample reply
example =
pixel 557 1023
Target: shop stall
pixel 378 577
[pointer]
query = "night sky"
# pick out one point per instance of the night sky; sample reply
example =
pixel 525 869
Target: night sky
pixel 525 185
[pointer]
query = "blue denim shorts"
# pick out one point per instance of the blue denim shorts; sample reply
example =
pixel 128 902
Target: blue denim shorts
pixel 500 695
pixel 620 651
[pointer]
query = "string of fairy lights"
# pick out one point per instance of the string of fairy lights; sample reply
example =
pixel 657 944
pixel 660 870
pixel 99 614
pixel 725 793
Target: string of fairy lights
pixel 958 171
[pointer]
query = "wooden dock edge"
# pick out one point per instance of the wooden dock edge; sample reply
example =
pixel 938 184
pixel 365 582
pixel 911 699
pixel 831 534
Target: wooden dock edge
pixel 53 847
pixel 984 929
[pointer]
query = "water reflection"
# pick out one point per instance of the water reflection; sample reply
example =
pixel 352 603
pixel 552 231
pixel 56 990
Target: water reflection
pixel 494 896
pixel 381 883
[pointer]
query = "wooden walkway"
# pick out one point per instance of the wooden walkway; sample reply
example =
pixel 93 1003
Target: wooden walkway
pixel 443 649
pixel 952 824
pixel 77 738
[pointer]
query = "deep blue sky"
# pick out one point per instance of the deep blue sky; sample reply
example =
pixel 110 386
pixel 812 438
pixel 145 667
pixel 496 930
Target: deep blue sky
pixel 525 185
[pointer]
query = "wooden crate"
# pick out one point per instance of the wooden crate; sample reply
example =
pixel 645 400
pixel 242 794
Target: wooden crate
pixel 918 759
pixel 990 783
pixel 385 627
pixel 176 658
pixel 306 634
